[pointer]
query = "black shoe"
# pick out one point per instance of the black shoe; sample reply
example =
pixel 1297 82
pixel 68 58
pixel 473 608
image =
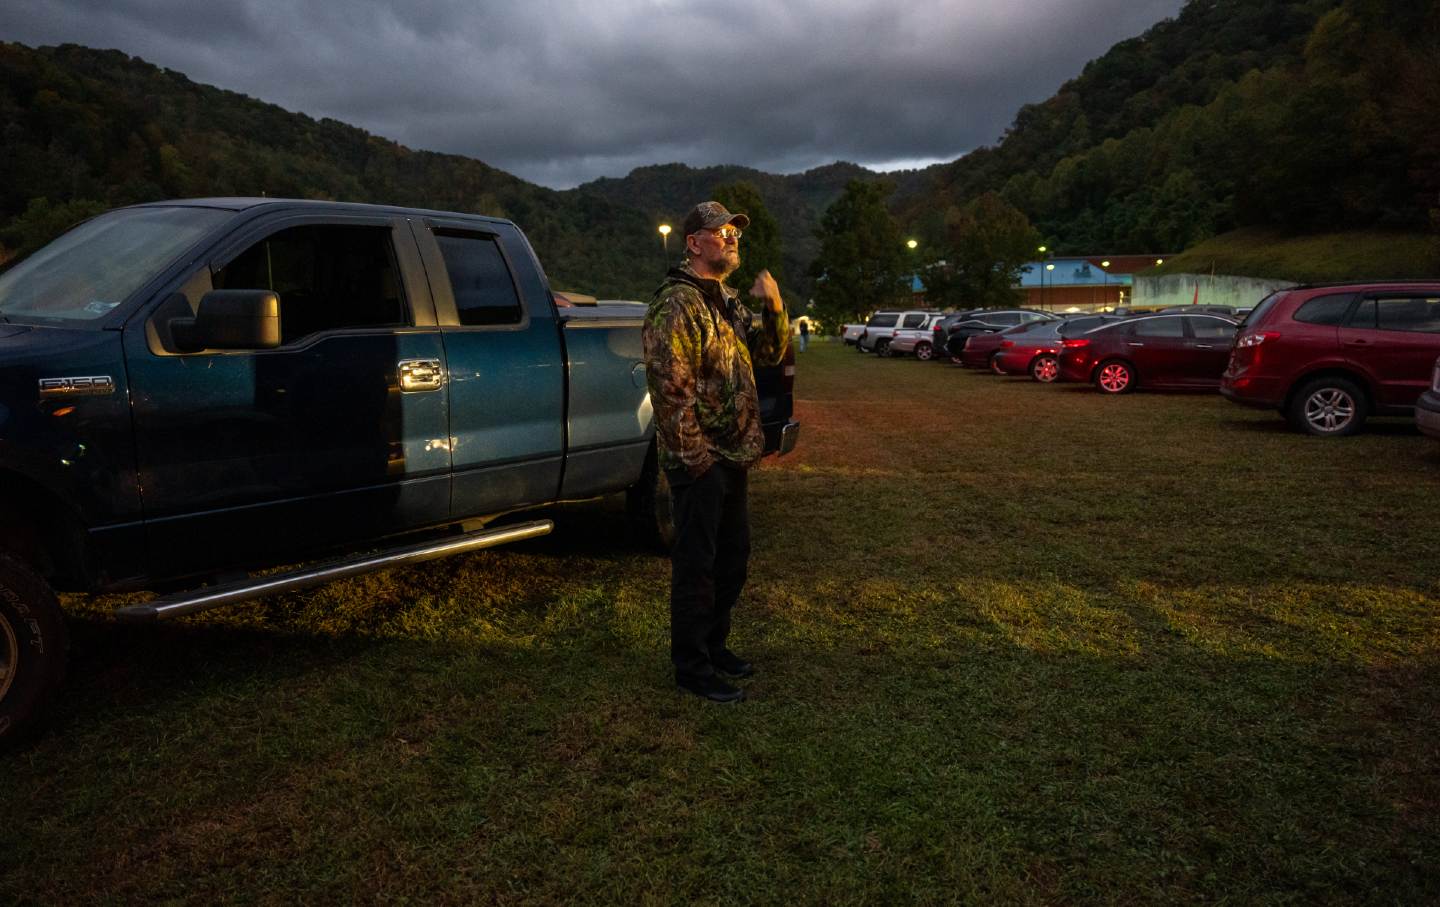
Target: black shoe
pixel 711 688
pixel 732 665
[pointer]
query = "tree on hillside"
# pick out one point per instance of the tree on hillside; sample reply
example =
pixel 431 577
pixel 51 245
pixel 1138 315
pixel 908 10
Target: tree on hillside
pixel 761 248
pixel 862 264
pixel 989 241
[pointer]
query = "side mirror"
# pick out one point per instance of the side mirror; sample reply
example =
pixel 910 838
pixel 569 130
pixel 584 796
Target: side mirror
pixel 231 320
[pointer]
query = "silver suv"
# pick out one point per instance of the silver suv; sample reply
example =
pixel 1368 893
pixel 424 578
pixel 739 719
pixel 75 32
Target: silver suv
pixel 882 325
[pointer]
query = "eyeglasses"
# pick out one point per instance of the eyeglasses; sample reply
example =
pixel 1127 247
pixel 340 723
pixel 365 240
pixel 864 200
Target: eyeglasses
pixel 727 233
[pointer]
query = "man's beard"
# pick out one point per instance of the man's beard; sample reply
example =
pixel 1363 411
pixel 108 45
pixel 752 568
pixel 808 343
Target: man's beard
pixel 724 265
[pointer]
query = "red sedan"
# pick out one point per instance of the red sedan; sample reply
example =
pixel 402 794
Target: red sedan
pixel 981 349
pixel 1177 351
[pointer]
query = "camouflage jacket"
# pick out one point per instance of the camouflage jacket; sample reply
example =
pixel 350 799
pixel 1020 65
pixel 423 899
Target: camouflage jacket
pixel 701 346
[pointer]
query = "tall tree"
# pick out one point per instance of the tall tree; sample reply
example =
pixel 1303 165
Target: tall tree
pixel 761 247
pixel 990 240
pixel 862 264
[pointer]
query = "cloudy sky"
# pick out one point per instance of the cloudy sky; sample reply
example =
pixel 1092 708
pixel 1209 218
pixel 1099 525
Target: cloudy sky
pixel 561 92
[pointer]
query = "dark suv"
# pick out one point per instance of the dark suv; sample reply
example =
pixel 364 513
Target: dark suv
pixel 1329 356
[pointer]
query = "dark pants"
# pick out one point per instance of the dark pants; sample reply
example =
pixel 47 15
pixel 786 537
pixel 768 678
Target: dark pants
pixel 708 562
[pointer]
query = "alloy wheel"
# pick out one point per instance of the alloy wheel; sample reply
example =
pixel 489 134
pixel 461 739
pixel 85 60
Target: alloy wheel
pixel 1045 369
pixel 1114 378
pixel 923 351
pixel 1329 410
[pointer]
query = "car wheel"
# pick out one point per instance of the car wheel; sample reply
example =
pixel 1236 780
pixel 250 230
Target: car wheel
pixel 1115 377
pixel 33 646
pixel 1329 408
pixel 923 351
pixel 647 507
pixel 995 364
pixel 1045 369
pixel 882 348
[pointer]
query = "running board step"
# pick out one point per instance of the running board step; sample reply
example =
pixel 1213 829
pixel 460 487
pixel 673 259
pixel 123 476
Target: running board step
pixel 218 596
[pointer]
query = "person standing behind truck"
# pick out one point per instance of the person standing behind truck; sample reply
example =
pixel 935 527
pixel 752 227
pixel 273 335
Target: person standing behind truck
pixel 701 346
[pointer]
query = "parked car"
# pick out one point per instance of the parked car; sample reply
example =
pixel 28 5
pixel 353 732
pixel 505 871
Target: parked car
pixel 1157 351
pixel 193 390
pixel 1427 408
pixel 1226 310
pixel 1035 348
pixel 916 341
pixel 882 326
pixel 980 350
pixel 1328 357
pixel 987 321
pixel 850 333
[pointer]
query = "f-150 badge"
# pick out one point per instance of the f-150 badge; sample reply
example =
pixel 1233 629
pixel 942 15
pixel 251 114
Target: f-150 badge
pixel 88 386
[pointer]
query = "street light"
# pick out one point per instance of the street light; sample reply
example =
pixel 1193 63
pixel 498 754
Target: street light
pixel 1105 284
pixel 1159 262
pixel 911 244
pixel 1049 267
pixel 665 242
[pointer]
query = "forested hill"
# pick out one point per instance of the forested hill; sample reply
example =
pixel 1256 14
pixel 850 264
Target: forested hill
pixel 89 129
pixel 1300 115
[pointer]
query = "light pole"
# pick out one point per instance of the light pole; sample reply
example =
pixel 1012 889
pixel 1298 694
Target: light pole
pixel 1048 267
pixel 1042 251
pixel 1105 284
pixel 665 243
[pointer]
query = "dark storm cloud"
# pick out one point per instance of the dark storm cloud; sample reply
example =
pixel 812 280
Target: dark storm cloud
pixel 563 92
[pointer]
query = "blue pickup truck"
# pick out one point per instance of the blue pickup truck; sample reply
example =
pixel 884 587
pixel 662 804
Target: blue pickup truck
pixel 194 390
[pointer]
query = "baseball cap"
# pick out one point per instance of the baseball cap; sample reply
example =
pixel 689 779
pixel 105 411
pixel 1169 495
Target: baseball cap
pixel 709 216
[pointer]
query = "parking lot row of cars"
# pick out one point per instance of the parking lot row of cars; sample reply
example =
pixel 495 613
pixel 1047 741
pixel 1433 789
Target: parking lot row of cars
pixel 1327 357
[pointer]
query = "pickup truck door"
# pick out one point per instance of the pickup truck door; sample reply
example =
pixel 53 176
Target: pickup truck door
pixel 249 456
pixel 506 364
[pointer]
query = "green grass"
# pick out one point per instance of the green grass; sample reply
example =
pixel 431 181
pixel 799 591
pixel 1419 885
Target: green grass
pixel 1017 643
pixel 1322 258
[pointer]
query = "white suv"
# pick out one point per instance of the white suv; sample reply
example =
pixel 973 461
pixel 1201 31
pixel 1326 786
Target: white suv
pixel 882 326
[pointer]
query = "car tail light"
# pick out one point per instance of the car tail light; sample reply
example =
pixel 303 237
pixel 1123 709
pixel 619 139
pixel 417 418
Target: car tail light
pixel 1078 344
pixel 1006 344
pixel 1245 341
pixel 966 345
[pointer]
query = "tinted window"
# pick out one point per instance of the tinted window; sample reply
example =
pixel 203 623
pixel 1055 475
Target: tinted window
pixel 479 278
pixel 1211 328
pixel 1324 309
pixel 1160 327
pixel 882 321
pixel 1364 315
pixel 327 277
pixel 1003 318
pixel 1078 326
pixel 1261 308
pixel 1415 314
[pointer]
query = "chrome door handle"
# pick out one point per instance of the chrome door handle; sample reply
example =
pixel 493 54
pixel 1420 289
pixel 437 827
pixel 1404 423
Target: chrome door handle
pixel 1204 346
pixel 1132 343
pixel 420 375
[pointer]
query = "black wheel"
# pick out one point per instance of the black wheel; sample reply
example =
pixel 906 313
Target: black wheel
pixel 923 351
pixel 882 347
pixel 1115 377
pixel 995 364
pixel 647 505
pixel 1328 408
pixel 1045 368
pixel 33 648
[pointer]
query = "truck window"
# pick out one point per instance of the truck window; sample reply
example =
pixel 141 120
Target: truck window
pixel 479 279
pixel 328 277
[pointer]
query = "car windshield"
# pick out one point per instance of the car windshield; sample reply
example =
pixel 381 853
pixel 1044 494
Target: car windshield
pixel 90 270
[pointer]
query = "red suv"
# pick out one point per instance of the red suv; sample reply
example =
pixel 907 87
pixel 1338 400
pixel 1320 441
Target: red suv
pixel 1329 356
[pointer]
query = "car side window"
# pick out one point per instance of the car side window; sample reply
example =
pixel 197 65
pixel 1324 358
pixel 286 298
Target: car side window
pixel 1211 329
pixel 328 277
pixel 479 279
pixel 1412 314
pixel 1364 315
pixel 1006 318
pixel 1160 327
pixel 1324 309
pixel 882 321
pixel 914 321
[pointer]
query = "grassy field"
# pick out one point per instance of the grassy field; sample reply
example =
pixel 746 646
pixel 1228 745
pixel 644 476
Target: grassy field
pixel 1017 644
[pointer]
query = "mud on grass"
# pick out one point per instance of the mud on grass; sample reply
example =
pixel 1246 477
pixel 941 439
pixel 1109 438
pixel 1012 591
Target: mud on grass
pixel 1017 643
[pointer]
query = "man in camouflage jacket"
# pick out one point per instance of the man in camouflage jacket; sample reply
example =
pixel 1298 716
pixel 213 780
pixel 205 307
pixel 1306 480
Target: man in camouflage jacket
pixel 701 347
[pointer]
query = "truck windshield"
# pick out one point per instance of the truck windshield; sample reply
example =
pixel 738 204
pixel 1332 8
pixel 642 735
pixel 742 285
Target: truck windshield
pixel 92 269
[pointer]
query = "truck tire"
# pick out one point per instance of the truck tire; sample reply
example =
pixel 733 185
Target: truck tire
pixel 647 505
pixel 33 647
